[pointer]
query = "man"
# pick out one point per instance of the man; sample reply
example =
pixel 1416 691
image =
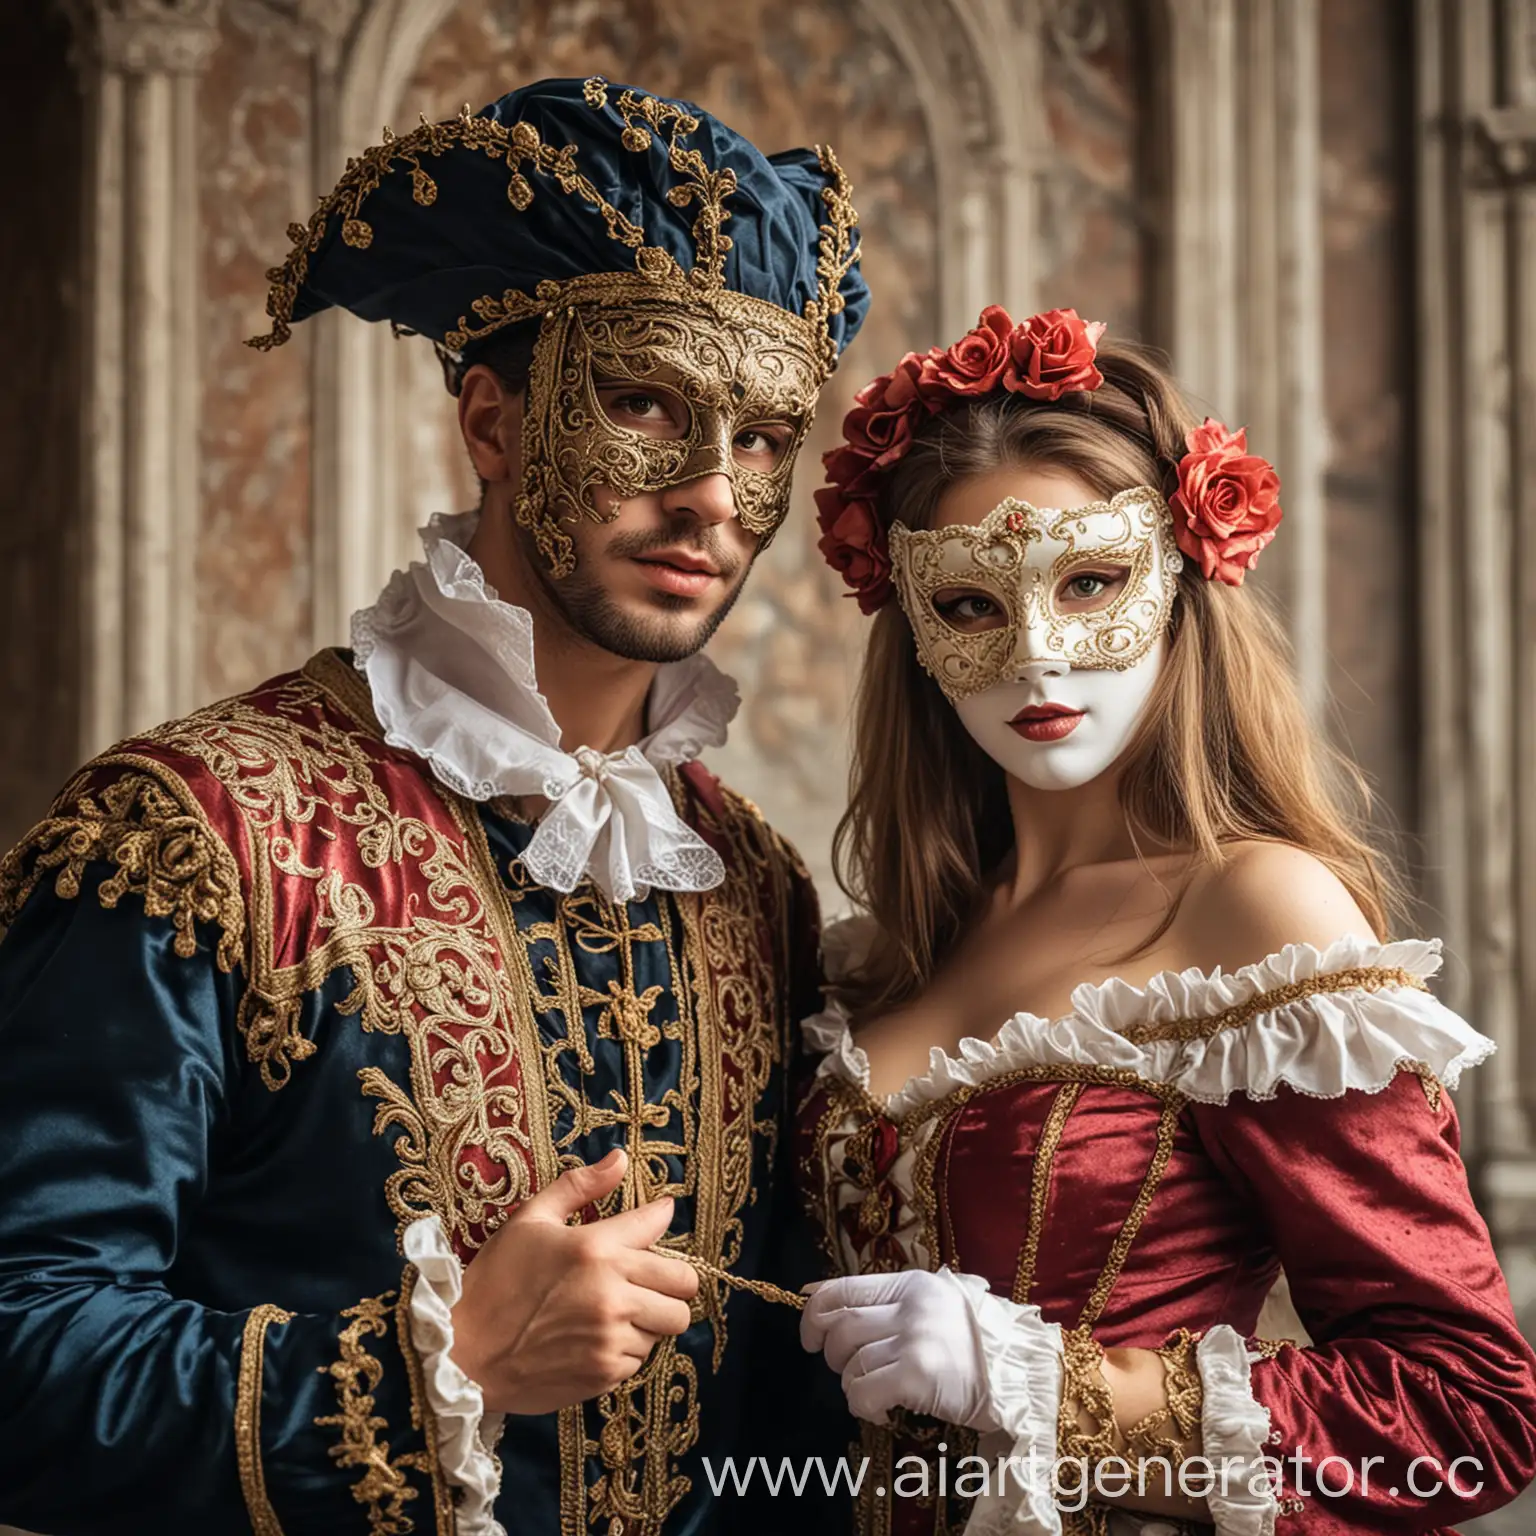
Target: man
pixel 451 949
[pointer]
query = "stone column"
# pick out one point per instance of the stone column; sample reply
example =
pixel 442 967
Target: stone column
pixel 139 61
pixel 1476 171
pixel 1241 281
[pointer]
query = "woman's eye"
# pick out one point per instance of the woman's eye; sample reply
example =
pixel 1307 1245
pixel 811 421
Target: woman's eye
pixel 1091 586
pixel 970 611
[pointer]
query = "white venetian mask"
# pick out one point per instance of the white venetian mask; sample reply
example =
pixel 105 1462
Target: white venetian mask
pixel 1045 627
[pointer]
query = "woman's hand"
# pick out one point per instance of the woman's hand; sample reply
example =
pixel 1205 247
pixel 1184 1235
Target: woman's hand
pixel 908 1340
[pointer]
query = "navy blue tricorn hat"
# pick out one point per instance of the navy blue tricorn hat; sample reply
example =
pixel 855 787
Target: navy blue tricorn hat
pixel 460 228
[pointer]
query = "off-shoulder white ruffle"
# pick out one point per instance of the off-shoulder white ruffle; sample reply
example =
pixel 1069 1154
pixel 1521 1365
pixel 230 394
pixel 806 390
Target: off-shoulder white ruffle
pixel 466 1433
pixel 1024 1371
pixel 1324 1044
pixel 1234 1426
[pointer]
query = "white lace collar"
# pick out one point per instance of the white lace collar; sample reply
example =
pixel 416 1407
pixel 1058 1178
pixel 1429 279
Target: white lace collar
pixel 451 670
pixel 1306 1020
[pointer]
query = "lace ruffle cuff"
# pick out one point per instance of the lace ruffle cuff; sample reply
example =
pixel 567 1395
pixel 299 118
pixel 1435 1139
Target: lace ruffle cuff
pixel 1235 1427
pixel 1024 1382
pixel 466 1433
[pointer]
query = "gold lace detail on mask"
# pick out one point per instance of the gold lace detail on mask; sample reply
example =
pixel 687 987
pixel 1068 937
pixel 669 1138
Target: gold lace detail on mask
pixel 733 361
pixel 1135 530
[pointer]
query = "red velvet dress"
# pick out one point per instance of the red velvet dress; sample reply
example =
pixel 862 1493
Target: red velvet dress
pixel 1154 1161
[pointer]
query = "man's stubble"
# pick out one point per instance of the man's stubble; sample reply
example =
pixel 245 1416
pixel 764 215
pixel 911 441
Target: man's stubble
pixel 582 602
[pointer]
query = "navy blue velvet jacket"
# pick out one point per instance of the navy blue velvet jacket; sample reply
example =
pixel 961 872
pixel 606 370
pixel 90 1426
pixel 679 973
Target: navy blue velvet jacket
pixel 269 993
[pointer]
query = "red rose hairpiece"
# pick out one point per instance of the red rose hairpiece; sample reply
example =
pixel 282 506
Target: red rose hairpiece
pixel 1225 510
pixel 1043 358
pixel 1227 505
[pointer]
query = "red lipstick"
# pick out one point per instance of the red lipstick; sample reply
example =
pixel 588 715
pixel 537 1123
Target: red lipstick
pixel 1046 722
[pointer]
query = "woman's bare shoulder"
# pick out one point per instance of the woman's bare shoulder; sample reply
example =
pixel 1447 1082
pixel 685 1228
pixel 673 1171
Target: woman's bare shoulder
pixel 1261 898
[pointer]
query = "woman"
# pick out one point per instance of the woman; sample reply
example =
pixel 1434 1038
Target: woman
pixel 1120 1037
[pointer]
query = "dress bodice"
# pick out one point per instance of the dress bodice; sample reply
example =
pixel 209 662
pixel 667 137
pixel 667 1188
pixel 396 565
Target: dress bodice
pixel 1152 1159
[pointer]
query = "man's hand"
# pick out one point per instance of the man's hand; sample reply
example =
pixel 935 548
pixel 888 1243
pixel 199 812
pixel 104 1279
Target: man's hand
pixel 552 1314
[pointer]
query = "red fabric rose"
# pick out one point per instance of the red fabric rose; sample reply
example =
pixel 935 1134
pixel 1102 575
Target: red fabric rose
pixel 973 365
pixel 854 544
pixel 1052 354
pixel 1044 358
pixel 1227 506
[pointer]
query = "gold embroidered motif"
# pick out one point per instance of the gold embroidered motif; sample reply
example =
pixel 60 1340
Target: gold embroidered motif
pixel 1363 978
pixel 158 838
pixel 383 1489
pixel 519 145
pixel 253 1482
pixel 1040 1186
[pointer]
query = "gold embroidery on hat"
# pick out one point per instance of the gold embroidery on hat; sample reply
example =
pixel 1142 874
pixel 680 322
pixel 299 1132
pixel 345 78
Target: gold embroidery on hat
pixel 778 360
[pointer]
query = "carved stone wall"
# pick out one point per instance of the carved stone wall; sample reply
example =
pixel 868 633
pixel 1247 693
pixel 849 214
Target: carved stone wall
pixel 1366 89
pixel 253 579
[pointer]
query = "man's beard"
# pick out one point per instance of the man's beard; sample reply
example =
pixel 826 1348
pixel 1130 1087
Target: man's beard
pixel 582 601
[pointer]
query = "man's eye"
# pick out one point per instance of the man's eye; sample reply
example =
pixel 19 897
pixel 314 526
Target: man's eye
pixel 761 443
pixel 1087 586
pixel 638 405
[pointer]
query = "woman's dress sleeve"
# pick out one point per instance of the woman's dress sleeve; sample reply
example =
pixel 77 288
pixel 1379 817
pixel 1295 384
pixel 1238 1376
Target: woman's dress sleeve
pixel 1418 1381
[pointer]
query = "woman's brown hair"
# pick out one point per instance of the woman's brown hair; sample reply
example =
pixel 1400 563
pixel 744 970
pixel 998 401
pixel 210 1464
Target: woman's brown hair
pixel 1225 752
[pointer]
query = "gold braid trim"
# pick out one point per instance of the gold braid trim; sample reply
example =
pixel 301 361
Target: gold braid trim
pixel 1040 1186
pixel 1360 978
pixel 383 1488
pixel 1085 1424
pixel 1169 1431
pixel 763 1288
pixel 1086 1428
pixel 253 1482
pixel 153 830
pixel 519 145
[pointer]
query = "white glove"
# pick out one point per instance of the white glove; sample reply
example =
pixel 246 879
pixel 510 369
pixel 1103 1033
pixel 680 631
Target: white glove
pixel 909 1340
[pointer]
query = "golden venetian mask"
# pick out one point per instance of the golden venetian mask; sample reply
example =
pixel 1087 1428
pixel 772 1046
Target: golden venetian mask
pixel 735 362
